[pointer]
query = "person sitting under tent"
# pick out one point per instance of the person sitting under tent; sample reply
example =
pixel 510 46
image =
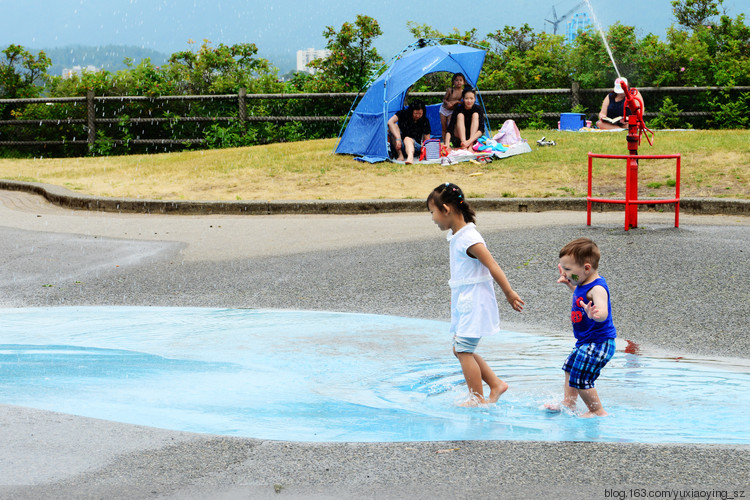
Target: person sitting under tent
pixel 467 123
pixel 407 129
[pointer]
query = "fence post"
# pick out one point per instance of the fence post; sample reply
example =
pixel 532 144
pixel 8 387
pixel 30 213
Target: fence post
pixel 91 116
pixel 241 98
pixel 575 95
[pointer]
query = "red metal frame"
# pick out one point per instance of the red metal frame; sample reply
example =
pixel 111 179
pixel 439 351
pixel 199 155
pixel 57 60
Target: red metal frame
pixel 631 200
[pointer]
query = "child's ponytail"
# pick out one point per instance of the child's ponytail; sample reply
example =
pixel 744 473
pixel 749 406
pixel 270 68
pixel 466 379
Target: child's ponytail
pixel 451 195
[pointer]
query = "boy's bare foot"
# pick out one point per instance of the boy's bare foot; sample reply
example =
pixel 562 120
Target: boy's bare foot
pixel 496 392
pixel 469 403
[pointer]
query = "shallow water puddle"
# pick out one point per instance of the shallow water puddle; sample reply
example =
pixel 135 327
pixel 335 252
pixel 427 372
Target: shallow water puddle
pixel 322 376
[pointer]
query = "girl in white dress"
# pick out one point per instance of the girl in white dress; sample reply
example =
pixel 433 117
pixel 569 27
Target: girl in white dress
pixel 474 310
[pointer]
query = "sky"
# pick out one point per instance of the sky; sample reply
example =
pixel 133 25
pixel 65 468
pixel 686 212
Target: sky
pixel 279 28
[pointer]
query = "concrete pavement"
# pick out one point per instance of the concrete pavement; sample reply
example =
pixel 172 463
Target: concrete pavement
pixel 685 291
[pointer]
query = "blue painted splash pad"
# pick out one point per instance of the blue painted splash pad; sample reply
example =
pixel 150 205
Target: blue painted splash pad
pixel 321 376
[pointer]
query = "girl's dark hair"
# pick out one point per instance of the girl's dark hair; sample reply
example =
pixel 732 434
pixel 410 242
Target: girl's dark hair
pixel 467 90
pixel 451 195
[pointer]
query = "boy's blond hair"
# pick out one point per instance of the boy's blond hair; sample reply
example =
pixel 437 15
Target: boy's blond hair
pixel 582 250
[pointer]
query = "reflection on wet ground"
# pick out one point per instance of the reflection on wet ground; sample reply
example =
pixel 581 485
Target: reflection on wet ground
pixel 323 376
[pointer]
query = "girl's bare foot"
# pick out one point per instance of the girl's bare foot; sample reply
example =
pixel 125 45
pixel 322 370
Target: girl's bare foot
pixel 598 413
pixel 472 401
pixel 496 392
pixel 558 407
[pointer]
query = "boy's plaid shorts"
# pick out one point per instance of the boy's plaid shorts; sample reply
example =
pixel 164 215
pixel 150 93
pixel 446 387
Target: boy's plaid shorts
pixel 586 361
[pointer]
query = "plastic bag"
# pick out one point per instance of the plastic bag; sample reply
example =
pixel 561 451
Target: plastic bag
pixel 508 134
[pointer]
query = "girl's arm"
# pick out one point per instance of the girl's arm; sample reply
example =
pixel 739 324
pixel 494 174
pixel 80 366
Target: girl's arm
pixel 639 98
pixel 475 118
pixel 605 105
pixel 474 136
pixel 597 308
pixel 450 100
pixel 480 252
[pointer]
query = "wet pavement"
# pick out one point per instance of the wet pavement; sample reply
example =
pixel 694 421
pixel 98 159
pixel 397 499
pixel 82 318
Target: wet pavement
pixel 682 291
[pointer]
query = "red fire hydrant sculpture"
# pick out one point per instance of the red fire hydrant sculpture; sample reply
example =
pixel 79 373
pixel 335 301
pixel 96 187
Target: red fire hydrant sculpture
pixel 636 127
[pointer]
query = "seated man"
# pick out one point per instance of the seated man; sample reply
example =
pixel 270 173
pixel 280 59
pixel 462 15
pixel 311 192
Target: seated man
pixel 407 129
pixel 466 124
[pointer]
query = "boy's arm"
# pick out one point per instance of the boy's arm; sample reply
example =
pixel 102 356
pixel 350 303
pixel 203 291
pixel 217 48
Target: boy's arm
pixel 597 308
pixel 484 256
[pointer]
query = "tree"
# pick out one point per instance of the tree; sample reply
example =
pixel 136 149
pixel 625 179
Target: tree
pixel 21 73
pixel 695 13
pixel 353 58
pixel 541 61
pixel 592 65
pixel 222 69
pixel 438 82
pixel 514 40
pixel 426 31
pixel 729 46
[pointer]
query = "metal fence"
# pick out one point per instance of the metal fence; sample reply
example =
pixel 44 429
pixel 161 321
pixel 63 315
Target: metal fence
pixel 138 123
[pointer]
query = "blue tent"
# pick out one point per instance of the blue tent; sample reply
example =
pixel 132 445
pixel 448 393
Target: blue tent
pixel 367 131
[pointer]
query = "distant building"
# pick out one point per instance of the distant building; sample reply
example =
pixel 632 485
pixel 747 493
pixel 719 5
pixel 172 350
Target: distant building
pixel 579 22
pixel 305 56
pixel 78 70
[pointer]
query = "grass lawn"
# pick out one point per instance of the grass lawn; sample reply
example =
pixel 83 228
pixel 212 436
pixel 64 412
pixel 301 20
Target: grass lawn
pixel 715 163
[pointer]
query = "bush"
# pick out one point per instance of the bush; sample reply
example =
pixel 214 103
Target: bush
pixel 730 113
pixel 669 116
pixel 230 136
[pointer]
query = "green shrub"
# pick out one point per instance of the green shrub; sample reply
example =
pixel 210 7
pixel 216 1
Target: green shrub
pixel 669 116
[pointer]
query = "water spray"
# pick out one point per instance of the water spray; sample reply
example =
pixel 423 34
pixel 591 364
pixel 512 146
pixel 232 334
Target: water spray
pixel 604 38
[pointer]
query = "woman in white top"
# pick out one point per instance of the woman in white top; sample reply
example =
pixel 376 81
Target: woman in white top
pixel 474 310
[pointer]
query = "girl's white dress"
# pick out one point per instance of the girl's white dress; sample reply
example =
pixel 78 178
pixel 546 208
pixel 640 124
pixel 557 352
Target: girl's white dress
pixel 474 311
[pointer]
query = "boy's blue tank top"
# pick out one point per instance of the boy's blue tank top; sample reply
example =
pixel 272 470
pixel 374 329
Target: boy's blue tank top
pixel 587 330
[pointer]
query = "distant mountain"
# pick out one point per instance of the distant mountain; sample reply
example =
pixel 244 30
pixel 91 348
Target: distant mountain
pixel 109 57
pixel 284 60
